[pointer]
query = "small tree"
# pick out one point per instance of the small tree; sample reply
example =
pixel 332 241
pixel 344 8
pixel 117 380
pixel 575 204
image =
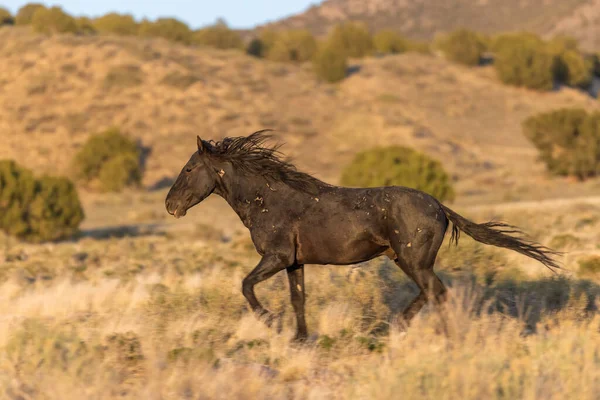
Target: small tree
pixel 53 20
pixel 37 210
pixel 525 63
pixel 293 46
pixel 118 24
pixel 353 39
pixel 572 68
pixel 568 140
pixel 56 212
pixel 330 64
pixel 168 28
pixel 463 47
pixel 6 17
pixel 25 13
pixel 218 36
pixel 388 41
pixel 398 166
pixel 85 25
pixel 99 160
pixel 570 65
pixel 120 172
pixel 260 46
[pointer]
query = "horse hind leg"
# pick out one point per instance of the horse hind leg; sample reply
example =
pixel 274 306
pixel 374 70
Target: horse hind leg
pixel 416 258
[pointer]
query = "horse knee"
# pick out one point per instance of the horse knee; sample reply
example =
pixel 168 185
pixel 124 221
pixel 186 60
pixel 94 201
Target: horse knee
pixel 247 287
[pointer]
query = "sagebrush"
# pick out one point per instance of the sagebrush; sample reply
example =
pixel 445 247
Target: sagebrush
pixel 398 166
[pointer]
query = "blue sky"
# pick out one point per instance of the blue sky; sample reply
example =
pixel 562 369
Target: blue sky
pixel 237 13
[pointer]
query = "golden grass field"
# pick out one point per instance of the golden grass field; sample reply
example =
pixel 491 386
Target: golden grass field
pixel 148 307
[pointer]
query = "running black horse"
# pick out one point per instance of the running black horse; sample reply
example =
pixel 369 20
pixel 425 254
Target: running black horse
pixel 295 219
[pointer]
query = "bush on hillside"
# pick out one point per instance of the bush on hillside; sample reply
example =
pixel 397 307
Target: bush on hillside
pixel 398 166
pixel 37 210
pixel 6 17
pixel 218 36
pixel 256 48
pixel 293 46
pixel 85 26
pixel 419 47
pixel 526 63
pixel 25 13
pixel 102 155
pixel 570 65
pixel 167 28
pixel 353 39
pixel 120 172
pixel 568 141
pixel 260 46
pixel 504 40
pixel 463 47
pixel 118 24
pixel 573 69
pixel 388 41
pixel 53 20
pixel 330 64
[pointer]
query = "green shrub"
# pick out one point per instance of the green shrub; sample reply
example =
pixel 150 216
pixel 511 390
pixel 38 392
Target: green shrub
pixel 120 172
pixel 527 63
pixel 102 154
pixel 568 141
pixel 353 39
pixel 167 28
pixel 293 46
pixel 25 13
pixel 6 17
pixel 398 166
pixel 419 47
pixel 330 64
pixel 218 36
pixel 53 20
pixel 85 25
pixel 570 65
pixel 55 213
pixel 589 266
pixel 388 41
pixel 572 68
pixel 463 47
pixel 260 46
pixel 118 24
pixel 506 40
pixel 256 48
pixel 37 210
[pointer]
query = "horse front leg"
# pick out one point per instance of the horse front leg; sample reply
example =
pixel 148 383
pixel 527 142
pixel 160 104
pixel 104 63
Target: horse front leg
pixel 296 278
pixel 268 266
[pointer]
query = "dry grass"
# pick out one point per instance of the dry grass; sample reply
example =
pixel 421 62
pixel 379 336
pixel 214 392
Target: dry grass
pixel 161 315
pixel 142 306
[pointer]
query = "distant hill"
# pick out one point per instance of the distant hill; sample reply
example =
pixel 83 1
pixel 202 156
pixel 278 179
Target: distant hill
pixel 56 91
pixel 422 19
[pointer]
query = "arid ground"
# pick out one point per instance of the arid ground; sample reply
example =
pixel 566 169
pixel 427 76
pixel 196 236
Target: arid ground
pixel 146 306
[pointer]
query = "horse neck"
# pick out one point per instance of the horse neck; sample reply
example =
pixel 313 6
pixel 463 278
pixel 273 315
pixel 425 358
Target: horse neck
pixel 244 193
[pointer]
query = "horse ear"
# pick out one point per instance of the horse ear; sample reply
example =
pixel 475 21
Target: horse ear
pixel 200 144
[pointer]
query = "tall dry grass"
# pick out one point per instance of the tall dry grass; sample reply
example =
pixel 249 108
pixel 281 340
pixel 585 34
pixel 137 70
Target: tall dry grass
pixel 183 333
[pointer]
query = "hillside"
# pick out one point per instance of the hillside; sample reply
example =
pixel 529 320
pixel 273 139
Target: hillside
pixel 55 92
pixel 422 19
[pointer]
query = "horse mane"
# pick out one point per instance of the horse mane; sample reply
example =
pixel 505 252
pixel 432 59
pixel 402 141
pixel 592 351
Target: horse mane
pixel 251 155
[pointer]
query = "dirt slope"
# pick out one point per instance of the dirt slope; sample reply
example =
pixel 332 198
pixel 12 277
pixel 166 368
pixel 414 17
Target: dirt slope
pixel 422 19
pixel 55 92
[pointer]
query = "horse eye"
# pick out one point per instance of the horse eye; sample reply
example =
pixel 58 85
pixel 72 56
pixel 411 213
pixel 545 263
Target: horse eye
pixel 188 170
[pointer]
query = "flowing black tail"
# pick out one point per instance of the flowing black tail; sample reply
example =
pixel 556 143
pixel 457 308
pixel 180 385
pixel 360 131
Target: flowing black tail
pixel 500 235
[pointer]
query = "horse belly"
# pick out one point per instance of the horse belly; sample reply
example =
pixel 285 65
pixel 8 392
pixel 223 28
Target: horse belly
pixel 338 247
